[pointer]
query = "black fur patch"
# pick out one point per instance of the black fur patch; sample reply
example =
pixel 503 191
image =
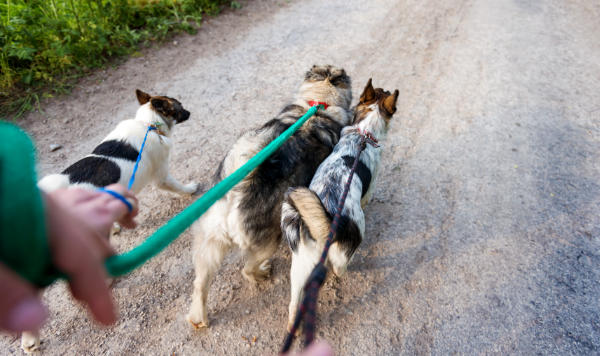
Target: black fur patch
pixel 348 235
pixel 117 149
pixel 292 165
pixel 98 171
pixel 364 173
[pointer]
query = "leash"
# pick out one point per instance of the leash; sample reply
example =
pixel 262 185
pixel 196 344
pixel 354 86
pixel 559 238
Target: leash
pixel 308 309
pixel 118 196
pixel 118 265
pixel 135 168
pixel 124 263
pixel 139 157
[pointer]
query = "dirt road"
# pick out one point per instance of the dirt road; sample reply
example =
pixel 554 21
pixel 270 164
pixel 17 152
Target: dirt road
pixel 484 232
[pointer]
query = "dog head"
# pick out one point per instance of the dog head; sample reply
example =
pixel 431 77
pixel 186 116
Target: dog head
pixel 328 84
pixel 169 109
pixel 372 98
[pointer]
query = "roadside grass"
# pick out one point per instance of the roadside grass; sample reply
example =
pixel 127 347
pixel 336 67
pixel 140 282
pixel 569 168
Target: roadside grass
pixel 46 44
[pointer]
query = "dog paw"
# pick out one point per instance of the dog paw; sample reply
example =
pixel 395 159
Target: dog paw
pixel 199 189
pixel 339 271
pixel 197 320
pixel 30 342
pixel 190 188
pixel 115 229
pixel 289 328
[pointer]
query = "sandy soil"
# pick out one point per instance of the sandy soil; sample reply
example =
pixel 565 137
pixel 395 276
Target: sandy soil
pixel 484 232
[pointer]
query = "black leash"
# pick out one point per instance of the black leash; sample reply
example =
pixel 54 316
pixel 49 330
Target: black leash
pixel 308 309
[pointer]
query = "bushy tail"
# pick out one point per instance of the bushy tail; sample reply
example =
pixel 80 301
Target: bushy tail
pixel 303 216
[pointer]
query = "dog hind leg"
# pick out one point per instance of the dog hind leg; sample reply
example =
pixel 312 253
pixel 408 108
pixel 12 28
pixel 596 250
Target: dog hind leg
pixel 171 184
pixel 258 263
pixel 338 259
pixel 303 262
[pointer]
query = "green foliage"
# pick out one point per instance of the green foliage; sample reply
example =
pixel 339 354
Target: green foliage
pixel 44 44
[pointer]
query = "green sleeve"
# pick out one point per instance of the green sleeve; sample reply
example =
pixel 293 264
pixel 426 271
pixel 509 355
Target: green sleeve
pixel 23 243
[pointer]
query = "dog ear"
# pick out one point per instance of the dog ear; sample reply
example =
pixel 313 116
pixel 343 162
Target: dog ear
pixel 368 93
pixel 389 103
pixel 142 97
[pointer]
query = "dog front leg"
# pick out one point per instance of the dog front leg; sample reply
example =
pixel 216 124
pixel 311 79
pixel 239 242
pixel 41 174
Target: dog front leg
pixel 208 255
pixel 171 184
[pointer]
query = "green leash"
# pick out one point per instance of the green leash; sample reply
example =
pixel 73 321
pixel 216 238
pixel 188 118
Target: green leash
pixel 122 264
pixel 29 255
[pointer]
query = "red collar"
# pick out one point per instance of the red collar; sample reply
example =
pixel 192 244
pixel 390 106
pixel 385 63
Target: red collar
pixel 313 103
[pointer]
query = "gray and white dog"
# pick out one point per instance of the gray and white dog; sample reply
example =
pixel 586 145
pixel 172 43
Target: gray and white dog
pixel 307 212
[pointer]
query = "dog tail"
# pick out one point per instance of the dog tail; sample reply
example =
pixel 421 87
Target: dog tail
pixel 53 182
pixel 303 216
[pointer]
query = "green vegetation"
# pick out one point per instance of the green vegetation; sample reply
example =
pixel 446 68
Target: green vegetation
pixel 45 44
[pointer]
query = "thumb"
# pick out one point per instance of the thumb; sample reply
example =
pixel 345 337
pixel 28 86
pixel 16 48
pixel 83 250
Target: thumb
pixel 20 306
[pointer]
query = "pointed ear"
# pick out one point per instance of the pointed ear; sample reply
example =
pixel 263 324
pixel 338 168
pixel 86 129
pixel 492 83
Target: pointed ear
pixel 389 103
pixel 368 93
pixel 142 97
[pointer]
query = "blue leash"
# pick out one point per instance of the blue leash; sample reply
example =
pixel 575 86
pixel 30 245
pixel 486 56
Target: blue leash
pixel 139 157
pixel 118 196
pixel 132 179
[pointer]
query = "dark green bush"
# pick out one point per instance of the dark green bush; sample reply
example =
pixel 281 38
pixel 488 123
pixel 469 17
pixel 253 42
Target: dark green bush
pixel 46 43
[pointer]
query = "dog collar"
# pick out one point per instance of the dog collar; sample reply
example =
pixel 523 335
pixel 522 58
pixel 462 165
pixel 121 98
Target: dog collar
pixel 314 103
pixel 368 137
pixel 156 127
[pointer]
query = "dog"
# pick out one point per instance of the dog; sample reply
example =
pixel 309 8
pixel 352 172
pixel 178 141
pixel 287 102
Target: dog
pixel 307 213
pixel 248 216
pixel 112 161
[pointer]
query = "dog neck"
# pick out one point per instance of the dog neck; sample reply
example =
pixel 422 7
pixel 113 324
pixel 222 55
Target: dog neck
pixel 149 117
pixel 373 123
pixel 338 113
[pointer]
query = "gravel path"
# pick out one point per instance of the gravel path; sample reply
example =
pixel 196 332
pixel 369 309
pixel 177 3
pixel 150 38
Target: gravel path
pixel 484 232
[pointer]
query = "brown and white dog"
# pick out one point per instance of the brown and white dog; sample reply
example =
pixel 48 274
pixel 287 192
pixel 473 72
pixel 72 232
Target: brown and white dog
pixel 112 161
pixel 248 216
pixel 307 212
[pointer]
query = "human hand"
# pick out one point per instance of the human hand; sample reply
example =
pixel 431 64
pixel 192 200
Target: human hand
pixel 78 223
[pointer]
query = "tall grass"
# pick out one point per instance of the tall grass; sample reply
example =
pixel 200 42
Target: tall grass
pixel 45 44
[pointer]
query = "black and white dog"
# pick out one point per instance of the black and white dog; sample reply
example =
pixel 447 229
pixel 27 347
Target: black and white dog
pixel 112 161
pixel 307 212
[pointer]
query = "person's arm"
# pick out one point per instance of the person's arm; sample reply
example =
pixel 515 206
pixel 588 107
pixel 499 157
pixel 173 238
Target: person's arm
pixel 23 244
pixel 64 231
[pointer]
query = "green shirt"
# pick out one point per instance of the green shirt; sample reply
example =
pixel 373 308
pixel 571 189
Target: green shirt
pixel 23 242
